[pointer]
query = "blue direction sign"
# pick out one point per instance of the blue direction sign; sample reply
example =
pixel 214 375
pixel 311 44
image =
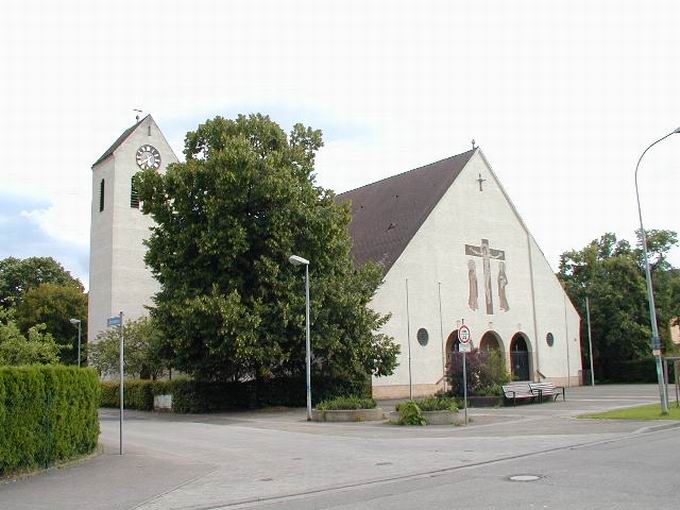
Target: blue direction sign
pixel 113 321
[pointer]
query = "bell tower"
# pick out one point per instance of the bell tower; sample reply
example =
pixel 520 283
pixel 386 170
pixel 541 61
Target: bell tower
pixel 119 278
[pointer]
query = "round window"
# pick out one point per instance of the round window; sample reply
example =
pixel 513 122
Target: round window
pixel 422 336
pixel 550 339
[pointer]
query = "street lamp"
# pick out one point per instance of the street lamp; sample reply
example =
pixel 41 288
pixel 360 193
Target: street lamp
pixel 656 341
pixel 74 322
pixel 299 261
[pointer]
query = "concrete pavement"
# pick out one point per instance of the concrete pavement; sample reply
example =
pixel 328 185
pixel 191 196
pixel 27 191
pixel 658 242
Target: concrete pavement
pixel 209 461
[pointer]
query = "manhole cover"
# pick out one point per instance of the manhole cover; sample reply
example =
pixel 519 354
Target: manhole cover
pixel 524 478
pixel 384 464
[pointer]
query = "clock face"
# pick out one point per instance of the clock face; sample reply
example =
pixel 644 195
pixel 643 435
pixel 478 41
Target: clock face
pixel 148 157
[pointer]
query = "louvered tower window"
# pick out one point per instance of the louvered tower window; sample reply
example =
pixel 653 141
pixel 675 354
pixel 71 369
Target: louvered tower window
pixel 134 196
pixel 101 196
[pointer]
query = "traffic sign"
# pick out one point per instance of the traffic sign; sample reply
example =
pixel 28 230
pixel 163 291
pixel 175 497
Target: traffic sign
pixel 464 335
pixel 113 321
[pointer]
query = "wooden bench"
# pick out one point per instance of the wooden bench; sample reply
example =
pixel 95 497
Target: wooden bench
pixel 518 391
pixel 547 389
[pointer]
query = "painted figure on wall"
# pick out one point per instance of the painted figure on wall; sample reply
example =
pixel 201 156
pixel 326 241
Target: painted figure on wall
pixel 486 253
pixel 473 295
pixel 502 283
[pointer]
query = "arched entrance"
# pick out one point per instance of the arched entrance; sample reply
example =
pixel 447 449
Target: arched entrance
pixel 490 342
pixel 452 345
pixel 519 358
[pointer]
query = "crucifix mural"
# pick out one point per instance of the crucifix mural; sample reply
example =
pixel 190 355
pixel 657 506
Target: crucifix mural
pixel 487 253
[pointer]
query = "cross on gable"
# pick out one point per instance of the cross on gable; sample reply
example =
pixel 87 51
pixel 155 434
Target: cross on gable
pixel 480 181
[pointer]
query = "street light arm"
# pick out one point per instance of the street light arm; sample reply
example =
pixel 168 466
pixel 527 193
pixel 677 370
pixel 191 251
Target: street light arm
pixel 637 167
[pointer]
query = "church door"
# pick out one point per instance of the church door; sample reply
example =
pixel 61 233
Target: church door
pixel 519 358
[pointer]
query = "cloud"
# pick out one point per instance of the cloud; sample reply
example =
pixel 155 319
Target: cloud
pixel 23 233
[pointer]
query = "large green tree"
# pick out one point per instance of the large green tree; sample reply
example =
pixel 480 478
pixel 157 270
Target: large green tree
pixel 54 306
pixel 19 275
pixel 611 273
pixel 231 305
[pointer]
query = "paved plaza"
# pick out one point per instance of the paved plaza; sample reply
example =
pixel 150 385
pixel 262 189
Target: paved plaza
pixel 275 459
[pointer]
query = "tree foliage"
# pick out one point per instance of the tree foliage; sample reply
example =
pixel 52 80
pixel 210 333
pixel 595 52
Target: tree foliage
pixel 231 305
pixel 19 275
pixel 143 350
pixel 486 372
pixel 35 348
pixel 54 306
pixel 611 273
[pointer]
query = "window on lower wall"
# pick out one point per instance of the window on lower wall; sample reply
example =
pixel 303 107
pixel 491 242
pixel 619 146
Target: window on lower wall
pixel 134 196
pixel 101 196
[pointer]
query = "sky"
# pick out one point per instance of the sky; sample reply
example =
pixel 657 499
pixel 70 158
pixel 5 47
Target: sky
pixel 562 97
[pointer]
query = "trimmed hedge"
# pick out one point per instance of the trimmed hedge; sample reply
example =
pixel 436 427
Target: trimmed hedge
pixel 48 414
pixel 636 371
pixel 138 394
pixel 189 396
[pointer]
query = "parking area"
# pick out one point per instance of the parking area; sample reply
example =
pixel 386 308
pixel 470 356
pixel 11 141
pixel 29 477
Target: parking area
pixel 208 461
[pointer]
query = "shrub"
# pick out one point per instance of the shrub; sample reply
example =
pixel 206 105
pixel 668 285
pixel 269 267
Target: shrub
pixel 492 390
pixel 190 396
pixel 346 403
pixel 410 414
pixel 138 394
pixel 641 370
pixel 437 403
pixel 48 414
pixel 485 369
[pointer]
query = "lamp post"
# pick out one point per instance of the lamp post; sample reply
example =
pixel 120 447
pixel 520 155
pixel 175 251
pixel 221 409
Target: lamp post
pixel 74 322
pixel 656 341
pixel 590 343
pixel 299 261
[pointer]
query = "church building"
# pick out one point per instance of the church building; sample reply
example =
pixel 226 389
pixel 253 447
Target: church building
pixel 454 249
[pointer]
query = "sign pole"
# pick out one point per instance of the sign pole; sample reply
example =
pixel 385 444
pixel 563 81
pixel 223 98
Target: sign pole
pixel 122 383
pixel 464 338
pixel 465 388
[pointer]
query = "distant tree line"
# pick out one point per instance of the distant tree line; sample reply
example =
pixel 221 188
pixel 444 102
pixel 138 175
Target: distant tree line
pixel 611 273
pixel 38 298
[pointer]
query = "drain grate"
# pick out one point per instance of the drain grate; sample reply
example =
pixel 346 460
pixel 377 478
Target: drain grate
pixel 524 478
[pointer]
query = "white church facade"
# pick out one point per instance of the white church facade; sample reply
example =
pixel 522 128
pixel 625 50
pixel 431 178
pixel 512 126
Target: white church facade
pixel 456 251
pixel 453 246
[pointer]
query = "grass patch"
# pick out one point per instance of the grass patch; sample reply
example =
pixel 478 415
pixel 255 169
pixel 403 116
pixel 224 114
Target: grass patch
pixel 647 412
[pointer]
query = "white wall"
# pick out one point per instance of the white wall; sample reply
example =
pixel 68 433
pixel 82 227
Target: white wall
pixel 437 254
pixel 117 250
pixel 101 237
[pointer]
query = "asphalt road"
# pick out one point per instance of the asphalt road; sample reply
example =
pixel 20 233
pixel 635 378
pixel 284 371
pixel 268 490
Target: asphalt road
pixel 637 472
pixel 278 460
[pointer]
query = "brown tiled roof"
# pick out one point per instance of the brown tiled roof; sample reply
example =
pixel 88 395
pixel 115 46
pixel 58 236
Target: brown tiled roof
pixel 387 214
pixel 118 142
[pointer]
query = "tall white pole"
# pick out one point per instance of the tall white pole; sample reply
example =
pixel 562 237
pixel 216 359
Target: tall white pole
pixel 408 341
pixel 79 335
pixel 308 348
pixel 655 340
pixel 122 384
pixel 590 343
pixel 441 334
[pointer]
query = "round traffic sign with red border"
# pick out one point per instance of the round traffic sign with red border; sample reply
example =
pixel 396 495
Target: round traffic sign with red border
pixel 464 335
